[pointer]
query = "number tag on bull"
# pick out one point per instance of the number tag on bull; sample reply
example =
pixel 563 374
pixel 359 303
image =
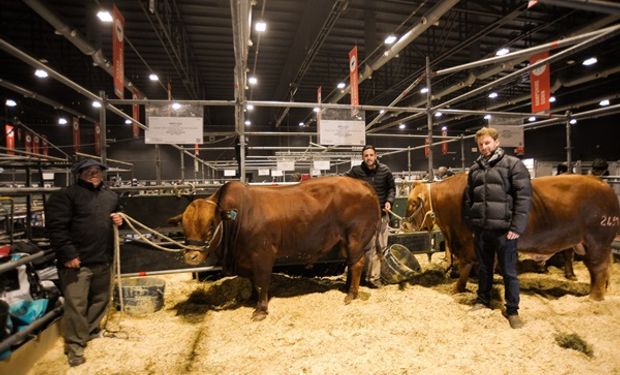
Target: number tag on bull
pixel 229 215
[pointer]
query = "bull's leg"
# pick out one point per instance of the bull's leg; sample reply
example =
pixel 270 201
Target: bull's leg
pixel 262 278
pixel 598 267
pixel 353 280
pixel 569 255
pixel 464 269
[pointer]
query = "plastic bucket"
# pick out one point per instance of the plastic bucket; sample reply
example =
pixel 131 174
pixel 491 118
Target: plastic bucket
pixel 398 265
pixel 141 295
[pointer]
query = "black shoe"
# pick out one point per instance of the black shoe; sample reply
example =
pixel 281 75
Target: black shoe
pixel 95 335
pixel 478 306
pixel 76 360
pixel 375 284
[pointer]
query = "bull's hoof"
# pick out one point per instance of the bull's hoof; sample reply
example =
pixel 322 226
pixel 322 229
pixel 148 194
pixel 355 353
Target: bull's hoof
pixel 259 315
pixel 597 297
pixel 571 277
pixel 350 297
pixel 460 288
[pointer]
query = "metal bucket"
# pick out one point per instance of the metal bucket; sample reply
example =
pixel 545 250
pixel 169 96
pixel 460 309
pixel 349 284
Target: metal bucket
pixel 141 295
pixel 398 265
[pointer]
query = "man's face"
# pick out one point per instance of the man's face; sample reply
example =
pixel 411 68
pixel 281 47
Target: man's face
pixel 370 157
pixel 92 174
pixel 487 145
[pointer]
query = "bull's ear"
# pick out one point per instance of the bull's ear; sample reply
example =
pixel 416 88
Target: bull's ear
pixel 176 220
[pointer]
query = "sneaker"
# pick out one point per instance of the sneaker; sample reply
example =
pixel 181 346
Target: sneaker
pixel 515 321
pixel 76 360
pixel 478 306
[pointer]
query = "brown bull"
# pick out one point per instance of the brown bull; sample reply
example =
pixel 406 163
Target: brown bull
pixel 249 227
pixel 567 211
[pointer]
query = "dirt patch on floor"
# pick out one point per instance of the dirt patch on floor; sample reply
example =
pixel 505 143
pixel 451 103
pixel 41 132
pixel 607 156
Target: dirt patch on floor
pixel 408 328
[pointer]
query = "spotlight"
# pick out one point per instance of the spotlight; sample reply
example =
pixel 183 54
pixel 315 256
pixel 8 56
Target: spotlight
pixel 438 114
pixel 96 104
pixel 493 95
pixel 487 117
pixel 248 123
pixel 340 85
pixel 176 106
pixel 531 118
pixel 250 107
pixel 62 121
pixel 589 61
pixel 390 39
pixel 153 77
pixel 104 16
pixel 252 80
pixel 402 126
pixel 604 103
pixel 572 121
pixel 260 26
pixel 424 90
pixel 128 122
pixel 502 52
pixel 40 73
pixel 552 99
pixel 10 103
pixel 316 109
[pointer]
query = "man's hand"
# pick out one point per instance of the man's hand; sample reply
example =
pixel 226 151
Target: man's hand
pixel 512 235
pixel 117 219
pixel 387 206
pixel 73 263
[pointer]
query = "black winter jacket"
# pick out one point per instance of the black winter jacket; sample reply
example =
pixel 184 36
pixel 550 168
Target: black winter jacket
pixel 380 179
pixel 498 194
pixel 77 220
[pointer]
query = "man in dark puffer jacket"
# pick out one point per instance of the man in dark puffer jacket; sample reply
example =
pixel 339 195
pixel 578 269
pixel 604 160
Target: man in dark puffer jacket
pixel 380 177
pixel 497 203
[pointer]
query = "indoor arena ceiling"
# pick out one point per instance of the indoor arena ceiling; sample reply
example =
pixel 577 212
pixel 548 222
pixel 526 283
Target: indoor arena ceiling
pixel 189 45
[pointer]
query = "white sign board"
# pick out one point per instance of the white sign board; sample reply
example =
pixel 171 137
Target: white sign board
pixel 286 165
pixel 230 172
pixel 173 123
pixel 342 132
pixel 510 135
pixel 321 165
pixel 315 172
pixel 276 173
pixel 264 172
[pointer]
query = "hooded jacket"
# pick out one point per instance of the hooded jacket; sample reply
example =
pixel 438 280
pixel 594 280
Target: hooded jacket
pixel 78 223
pixel 380 178
pixel 498 194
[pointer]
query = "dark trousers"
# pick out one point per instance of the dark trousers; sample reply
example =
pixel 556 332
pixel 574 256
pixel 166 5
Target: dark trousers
pixel 87 292
pixel 488 243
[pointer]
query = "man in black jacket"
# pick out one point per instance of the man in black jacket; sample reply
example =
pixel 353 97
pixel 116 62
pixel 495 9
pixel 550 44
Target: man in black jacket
pixel 497 204
pixel 79 222
pixel 380 178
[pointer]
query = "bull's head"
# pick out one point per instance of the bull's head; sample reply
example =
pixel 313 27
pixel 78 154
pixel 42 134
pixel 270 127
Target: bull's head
pixel 203 230
pixel 419 215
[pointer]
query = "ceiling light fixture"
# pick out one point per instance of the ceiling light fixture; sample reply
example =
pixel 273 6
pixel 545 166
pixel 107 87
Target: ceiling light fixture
pixel 96 104
pixel 62 121
pixel 402 126
pixel 572 121
pixel 40 73
pixel 531 118
pixel 502 52
pixel 390 39
pixel 104 16
pixel 604 103
pixel 316 109
pixel 487 117
pixel 176 106
pixel 552 99
pixel 248 123
pixel 589 61
pixel 10 103
pixel 438 114
pixel 301 124
pixel 250 107
pixel 382 111
pixel 341 85
pixel 444 128
pixel 153 77
pixel 493 95
pixel 128 122
pixel 260 26
pixel 252 80
pixel 424 90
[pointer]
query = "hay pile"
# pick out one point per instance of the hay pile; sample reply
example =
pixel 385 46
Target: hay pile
pixel 403 329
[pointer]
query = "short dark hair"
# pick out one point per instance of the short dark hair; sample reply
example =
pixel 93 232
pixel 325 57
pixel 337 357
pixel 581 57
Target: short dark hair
pixel 368 147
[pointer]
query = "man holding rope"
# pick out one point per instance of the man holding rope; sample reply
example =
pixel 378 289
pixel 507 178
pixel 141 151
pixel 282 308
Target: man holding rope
pixel 380 177
pixel 79 222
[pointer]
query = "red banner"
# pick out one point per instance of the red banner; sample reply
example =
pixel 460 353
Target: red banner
pixel 353 79
pixel 76 134
pixel 444 146
pixel 45 145
pixel 35 144
pixel 135 113
pixel 427 150
pixel 118 59
pixel 540 84
pixel 19 136
pixel 318 114
pixel 196 149
pixel 28 142
pixel 97 139
pixel 9 132
pixel 520 150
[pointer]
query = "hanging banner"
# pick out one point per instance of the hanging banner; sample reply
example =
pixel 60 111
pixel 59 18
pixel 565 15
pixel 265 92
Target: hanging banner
pixel 9 132
pixel 353 79
pixel 35 144
pixel 427 150
pixel 76 134
pixel 318 114
pixel 118 50
pixel 28 142
pixel 97 139
pixel 540 84
pixel 45 145
pixel 135 114
pixel 444 146
pixel 19 136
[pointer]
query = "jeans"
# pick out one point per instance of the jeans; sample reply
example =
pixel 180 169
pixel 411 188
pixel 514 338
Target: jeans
pixel 487 244
pixel 377 243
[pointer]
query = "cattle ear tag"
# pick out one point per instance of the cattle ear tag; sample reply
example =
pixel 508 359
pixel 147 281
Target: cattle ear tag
pixel 230 215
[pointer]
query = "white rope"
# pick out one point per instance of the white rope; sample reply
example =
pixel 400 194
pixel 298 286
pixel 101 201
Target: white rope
pixel 131 221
